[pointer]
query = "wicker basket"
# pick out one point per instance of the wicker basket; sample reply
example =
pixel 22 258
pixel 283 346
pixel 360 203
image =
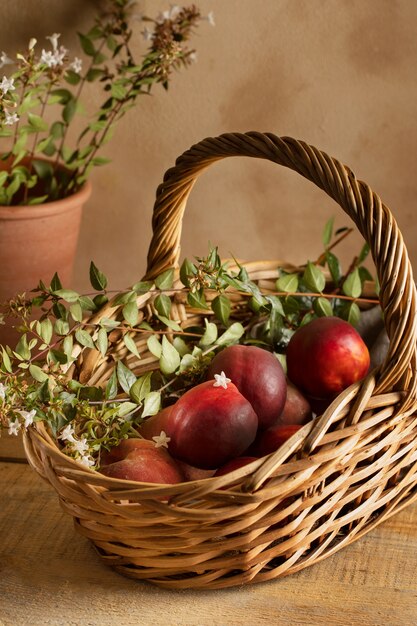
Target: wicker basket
pixel 333 481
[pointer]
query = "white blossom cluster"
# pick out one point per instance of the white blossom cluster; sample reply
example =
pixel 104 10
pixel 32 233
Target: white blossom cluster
pixel 51 59
pixel 79 446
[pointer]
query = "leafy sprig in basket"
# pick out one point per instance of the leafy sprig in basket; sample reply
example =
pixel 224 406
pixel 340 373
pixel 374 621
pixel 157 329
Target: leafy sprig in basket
pixel 91 380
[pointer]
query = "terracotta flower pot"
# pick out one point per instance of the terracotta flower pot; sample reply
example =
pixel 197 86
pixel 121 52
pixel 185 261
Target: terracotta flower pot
pixel 35 242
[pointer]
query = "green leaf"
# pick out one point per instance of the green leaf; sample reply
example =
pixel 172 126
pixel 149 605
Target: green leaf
pixel 37 123
pixel 6 360
pixel 314 278
pixel 102 341
pixel 165 280
pixel 123 298
pixel 67 345
pixel 61 327
pixel 154 346
pixel 365 274
pixel 231 335
pixel 363 253
pixel 142 286
pixel 84 338
pixel 118 91
pixel 170 323
pixel 67 294
pixel 55 283
pixel 125 408
pixel 72 77
pixel 76 312
pixel 131 313
pixel 43 169
pixel 108 323
pixel 57 356
pixel 57 130
pixel 197 300
pixel 37 373
pixel 97 278
pixel 323 307
pixel 22 348
pixel 141 388
pixel 125 376
pixel 87 303
pixel 69 111
pixel 98 160
pixel 152 404
pixel 187 269
pixel 87 45
pixel 352 286
pixel 162 304
pixel 210 334
pixel 170 359
pixel 111 387
pixel 180 346
pixel 46 330
pixel 92 75
pixel 64 96
pixel 328 232
pixel 287 283
pixel 131 345
pixel 351 313
pixel 333 264
pixel 221 308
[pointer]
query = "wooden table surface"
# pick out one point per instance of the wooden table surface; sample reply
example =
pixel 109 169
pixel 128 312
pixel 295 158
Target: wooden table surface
pixel 49 575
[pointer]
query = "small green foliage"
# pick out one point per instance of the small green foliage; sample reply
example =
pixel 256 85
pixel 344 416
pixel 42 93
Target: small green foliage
pixel 41 100
pixel 61 329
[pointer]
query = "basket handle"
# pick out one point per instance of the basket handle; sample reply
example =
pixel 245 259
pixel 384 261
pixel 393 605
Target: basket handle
pixel 373 219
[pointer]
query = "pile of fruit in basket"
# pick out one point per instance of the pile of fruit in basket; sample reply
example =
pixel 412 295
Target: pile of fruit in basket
pixel 182 401
pixel 246 408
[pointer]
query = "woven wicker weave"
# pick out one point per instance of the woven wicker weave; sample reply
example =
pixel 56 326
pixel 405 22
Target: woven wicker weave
pixel 332 482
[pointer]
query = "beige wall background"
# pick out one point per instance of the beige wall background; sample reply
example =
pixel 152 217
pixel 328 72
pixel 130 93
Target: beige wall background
pixel 339 74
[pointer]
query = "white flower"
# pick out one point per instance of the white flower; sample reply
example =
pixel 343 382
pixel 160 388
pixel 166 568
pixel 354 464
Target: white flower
pixel 52 59
pixel 210 18
pixel 147 34
pixel 14 427
pixel 54 40
pixel 221 380
pixel 76 66
pixel 28 417
pixel 161 440
pixel 68 433
pixel 5 60
pixel 192 57
pixel 32 43
pixel 11 118
pixel 86 460
pixel 80 446
pixel 7 85
pixel 174 11
pixel 3 390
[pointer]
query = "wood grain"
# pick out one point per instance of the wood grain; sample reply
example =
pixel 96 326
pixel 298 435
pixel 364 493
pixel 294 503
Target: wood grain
pixel 51 576
pixel 11 448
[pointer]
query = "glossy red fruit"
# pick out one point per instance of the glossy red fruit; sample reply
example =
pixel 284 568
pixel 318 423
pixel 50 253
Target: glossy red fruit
pixel 297 409
pixel 258 375
pixel 271 439
pixel 234 464
pixel 145 463
pixel 325 356
pixel 209 425
pixel 121 451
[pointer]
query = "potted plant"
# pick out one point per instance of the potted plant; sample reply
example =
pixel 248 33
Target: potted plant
pixel 45 165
